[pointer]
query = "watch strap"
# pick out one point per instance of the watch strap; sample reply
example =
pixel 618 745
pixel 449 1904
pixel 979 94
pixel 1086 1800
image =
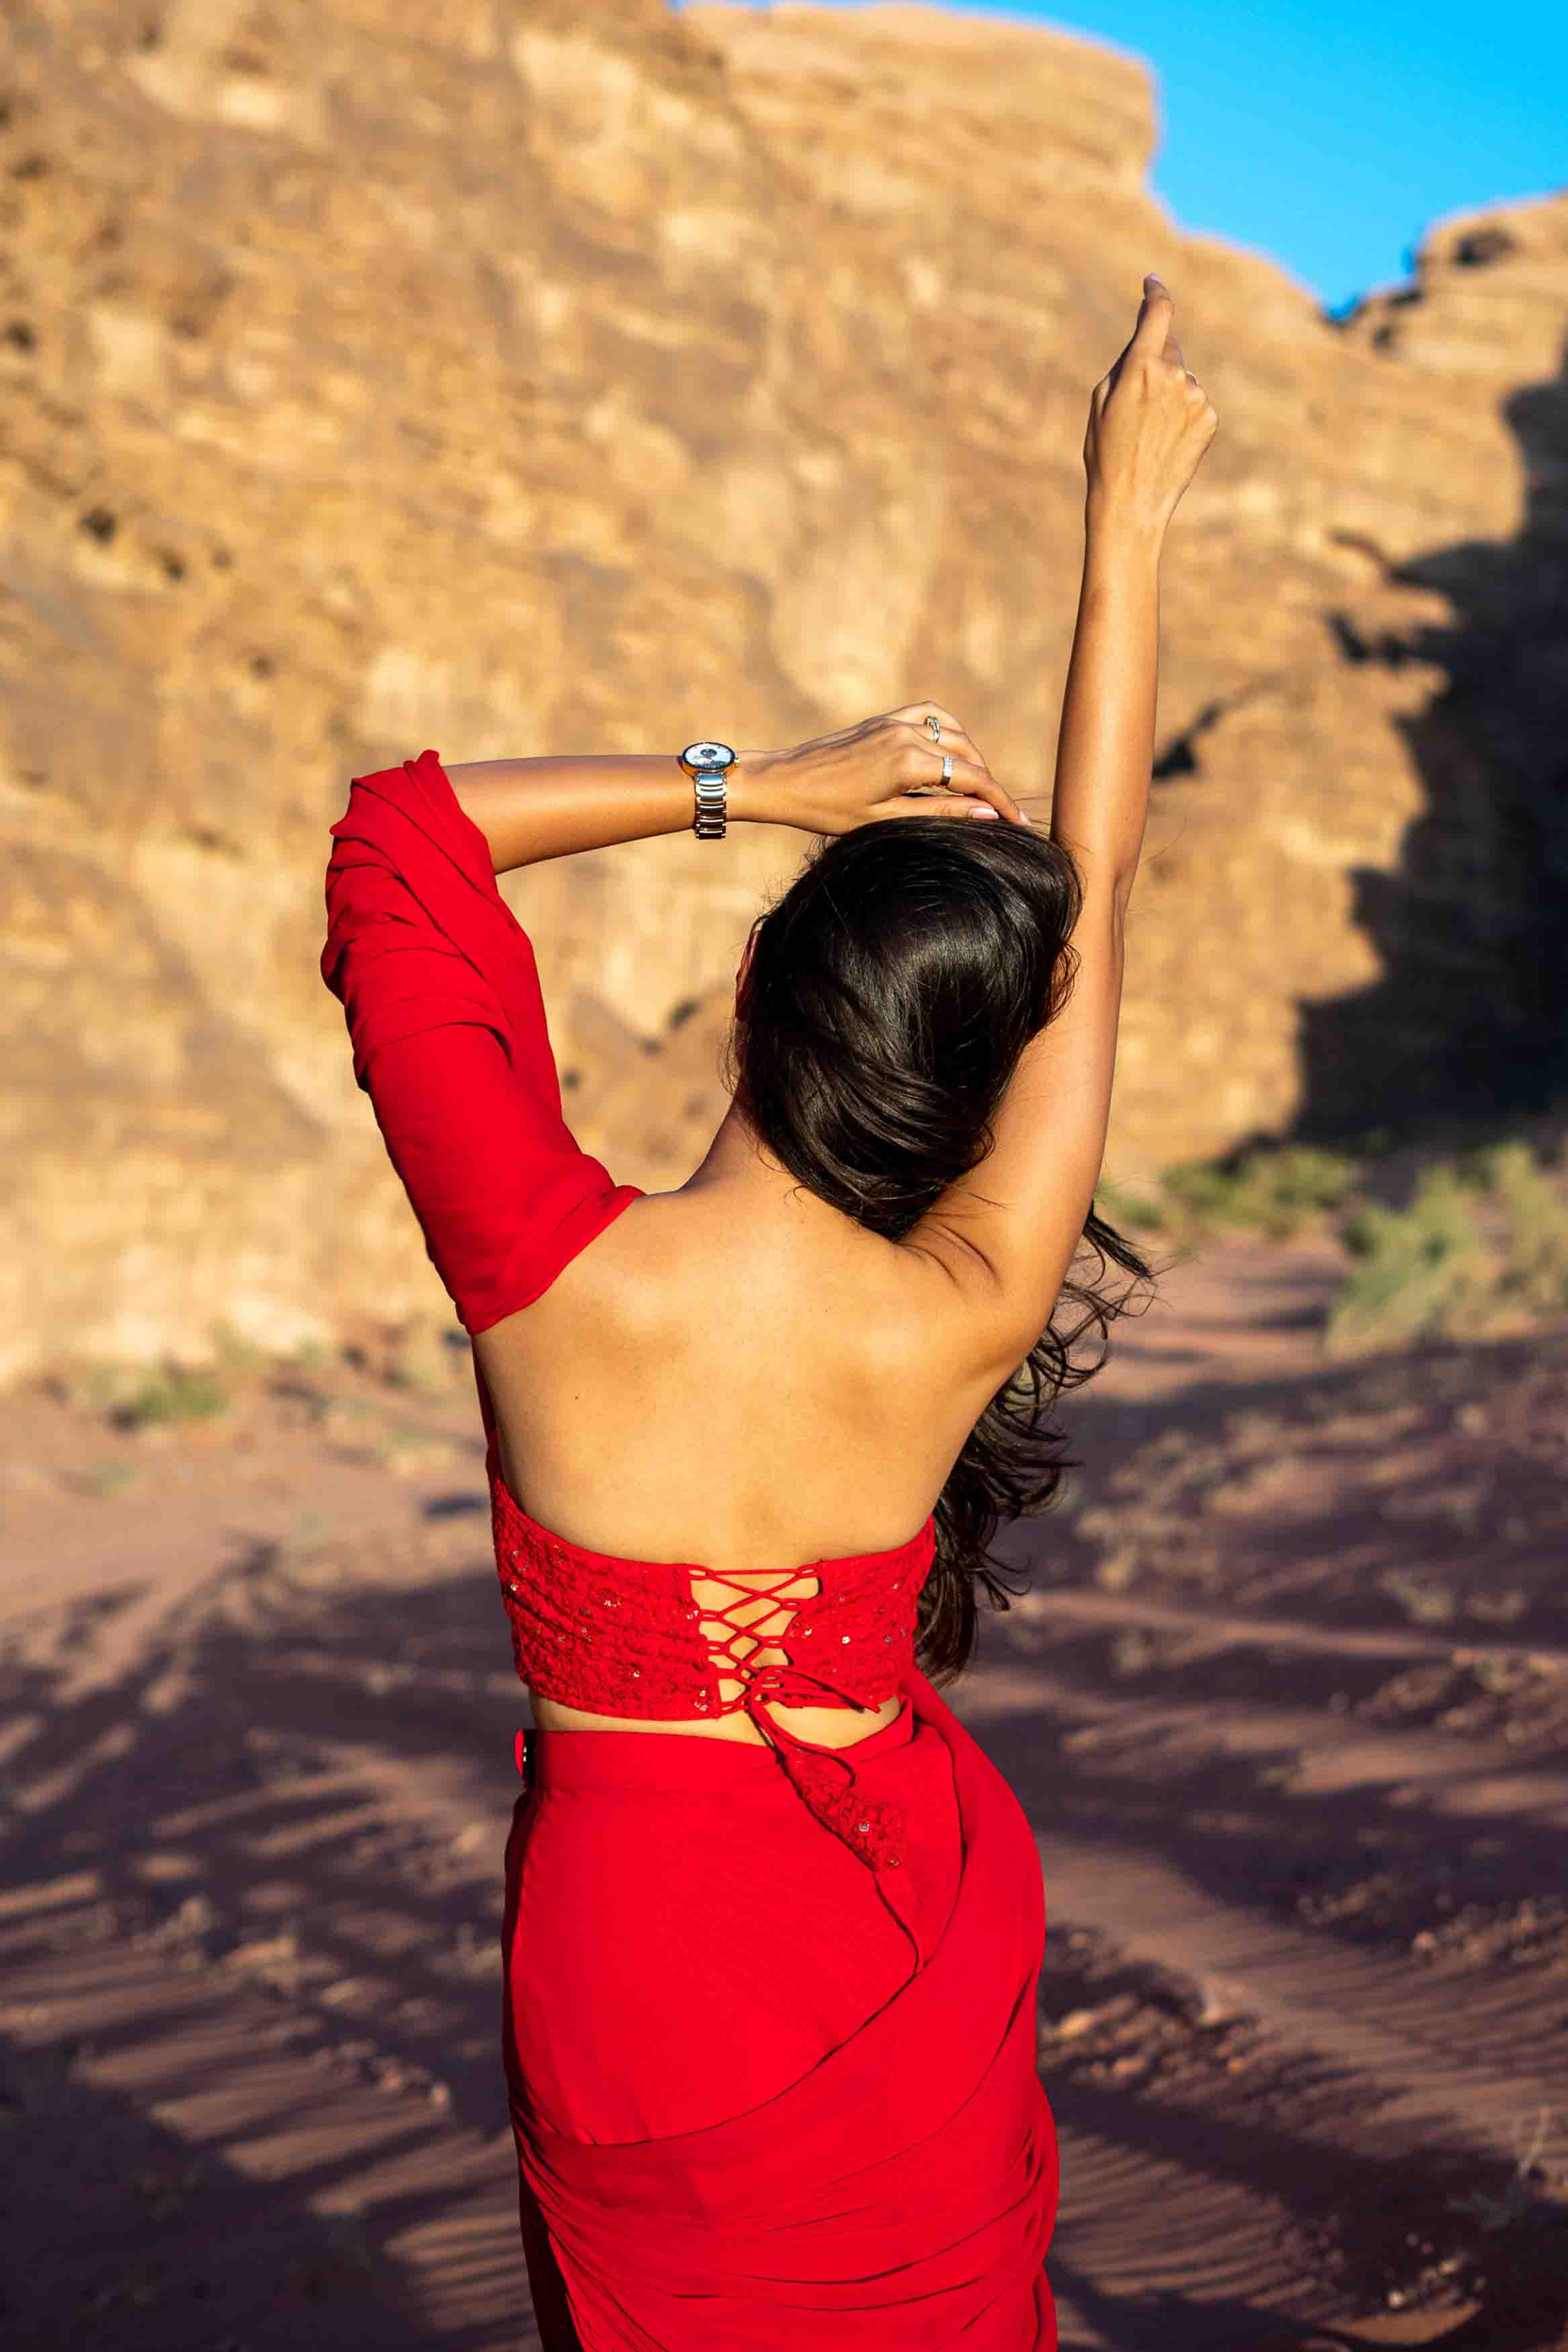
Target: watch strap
pixel 711 818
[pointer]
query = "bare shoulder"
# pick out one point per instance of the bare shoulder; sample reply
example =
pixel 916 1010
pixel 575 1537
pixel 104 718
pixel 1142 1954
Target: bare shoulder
pixel 620 1283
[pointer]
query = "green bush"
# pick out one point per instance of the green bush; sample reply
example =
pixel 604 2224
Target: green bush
pixel 1533 1277
pixel 174 1394
pixel 1273 1189
pixel 1481 1248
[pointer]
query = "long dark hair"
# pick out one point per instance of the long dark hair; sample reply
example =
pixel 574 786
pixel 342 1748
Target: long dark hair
pixel 890 992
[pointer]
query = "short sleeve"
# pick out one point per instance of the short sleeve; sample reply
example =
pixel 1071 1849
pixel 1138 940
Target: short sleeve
pixel 440 987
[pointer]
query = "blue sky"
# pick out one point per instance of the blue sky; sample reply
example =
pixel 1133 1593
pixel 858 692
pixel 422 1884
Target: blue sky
pixel 1329 137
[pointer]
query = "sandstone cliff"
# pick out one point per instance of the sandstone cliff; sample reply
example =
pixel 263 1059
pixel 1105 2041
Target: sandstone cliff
pixel 544 376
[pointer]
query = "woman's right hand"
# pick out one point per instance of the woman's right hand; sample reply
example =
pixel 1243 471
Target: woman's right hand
pixel 878 770
pixel 1149 422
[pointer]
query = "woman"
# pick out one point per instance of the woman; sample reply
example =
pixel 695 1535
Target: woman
pixel 771 1974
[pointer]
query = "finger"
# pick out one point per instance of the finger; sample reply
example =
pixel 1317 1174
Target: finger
pixel 1155 316
pixel 939 804
pixel 952 734
pixel 984 787
pixel 920 753
pixel 971 780
pixel 917 713
pixel 936 768
pixel 965 743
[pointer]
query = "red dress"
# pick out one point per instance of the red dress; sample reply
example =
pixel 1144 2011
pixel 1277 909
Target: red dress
pixel 769 2011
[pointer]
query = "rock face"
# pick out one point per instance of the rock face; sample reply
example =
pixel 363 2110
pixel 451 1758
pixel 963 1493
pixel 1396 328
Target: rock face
pixel 566 377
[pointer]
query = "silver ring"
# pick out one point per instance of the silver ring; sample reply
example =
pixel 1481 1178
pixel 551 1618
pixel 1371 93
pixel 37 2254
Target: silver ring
pixel 947 767
pixel 934 726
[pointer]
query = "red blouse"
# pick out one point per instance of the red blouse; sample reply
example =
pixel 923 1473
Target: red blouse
pixel 441 993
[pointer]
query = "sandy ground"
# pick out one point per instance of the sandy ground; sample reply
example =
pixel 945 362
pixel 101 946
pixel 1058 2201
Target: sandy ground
pixel 1287 1702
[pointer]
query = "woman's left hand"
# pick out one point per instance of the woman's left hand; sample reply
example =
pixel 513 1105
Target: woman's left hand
pixel 880 768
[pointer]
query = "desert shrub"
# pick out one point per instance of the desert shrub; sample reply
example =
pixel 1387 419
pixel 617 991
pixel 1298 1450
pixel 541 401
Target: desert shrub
pixel 1273 1189
pixel 1482 1247
pixel 1533 1199
pixel 170 1395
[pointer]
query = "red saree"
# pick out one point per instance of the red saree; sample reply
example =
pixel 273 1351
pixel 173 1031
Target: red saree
pixel 897 2194
pixel 769 2015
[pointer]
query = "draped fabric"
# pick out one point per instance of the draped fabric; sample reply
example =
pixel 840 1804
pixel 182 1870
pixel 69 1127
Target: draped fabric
pixel 895 2191
pixel 769 2011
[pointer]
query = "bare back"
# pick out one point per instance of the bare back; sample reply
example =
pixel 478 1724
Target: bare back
pixel 732 1374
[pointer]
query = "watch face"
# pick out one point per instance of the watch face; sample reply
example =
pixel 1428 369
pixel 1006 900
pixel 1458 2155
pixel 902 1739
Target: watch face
pixel 708 755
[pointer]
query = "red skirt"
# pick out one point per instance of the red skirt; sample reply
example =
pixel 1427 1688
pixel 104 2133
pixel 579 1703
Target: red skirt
pixel 764 2094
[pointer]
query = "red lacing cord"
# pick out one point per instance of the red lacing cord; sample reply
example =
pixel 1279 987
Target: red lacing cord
pixel 872 1829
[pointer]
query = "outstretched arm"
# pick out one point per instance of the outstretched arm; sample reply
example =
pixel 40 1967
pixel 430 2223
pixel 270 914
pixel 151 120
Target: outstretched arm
pixel 1009 1232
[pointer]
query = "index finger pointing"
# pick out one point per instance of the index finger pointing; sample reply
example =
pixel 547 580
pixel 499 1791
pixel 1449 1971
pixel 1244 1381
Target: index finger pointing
pixel 1154 315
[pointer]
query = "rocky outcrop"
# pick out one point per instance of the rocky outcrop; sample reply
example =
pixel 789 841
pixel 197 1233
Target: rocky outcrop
pixel 568 377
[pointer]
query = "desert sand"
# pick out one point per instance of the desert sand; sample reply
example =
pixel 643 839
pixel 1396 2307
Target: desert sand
pixel 1286 1703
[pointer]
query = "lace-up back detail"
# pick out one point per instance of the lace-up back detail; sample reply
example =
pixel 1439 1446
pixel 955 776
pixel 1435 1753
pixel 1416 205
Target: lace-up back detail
pixel 673 1641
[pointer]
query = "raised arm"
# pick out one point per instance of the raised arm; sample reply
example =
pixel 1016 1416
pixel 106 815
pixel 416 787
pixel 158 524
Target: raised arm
pixel 1009 1233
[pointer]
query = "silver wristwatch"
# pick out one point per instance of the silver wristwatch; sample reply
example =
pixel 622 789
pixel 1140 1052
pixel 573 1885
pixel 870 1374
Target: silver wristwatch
pixel 708 766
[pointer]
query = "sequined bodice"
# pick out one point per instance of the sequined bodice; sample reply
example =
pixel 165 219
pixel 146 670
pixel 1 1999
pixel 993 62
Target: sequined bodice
pixel 672 1641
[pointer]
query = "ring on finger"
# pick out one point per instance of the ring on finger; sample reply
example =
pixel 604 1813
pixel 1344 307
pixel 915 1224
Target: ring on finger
pixel 935 726
pixel 947 767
